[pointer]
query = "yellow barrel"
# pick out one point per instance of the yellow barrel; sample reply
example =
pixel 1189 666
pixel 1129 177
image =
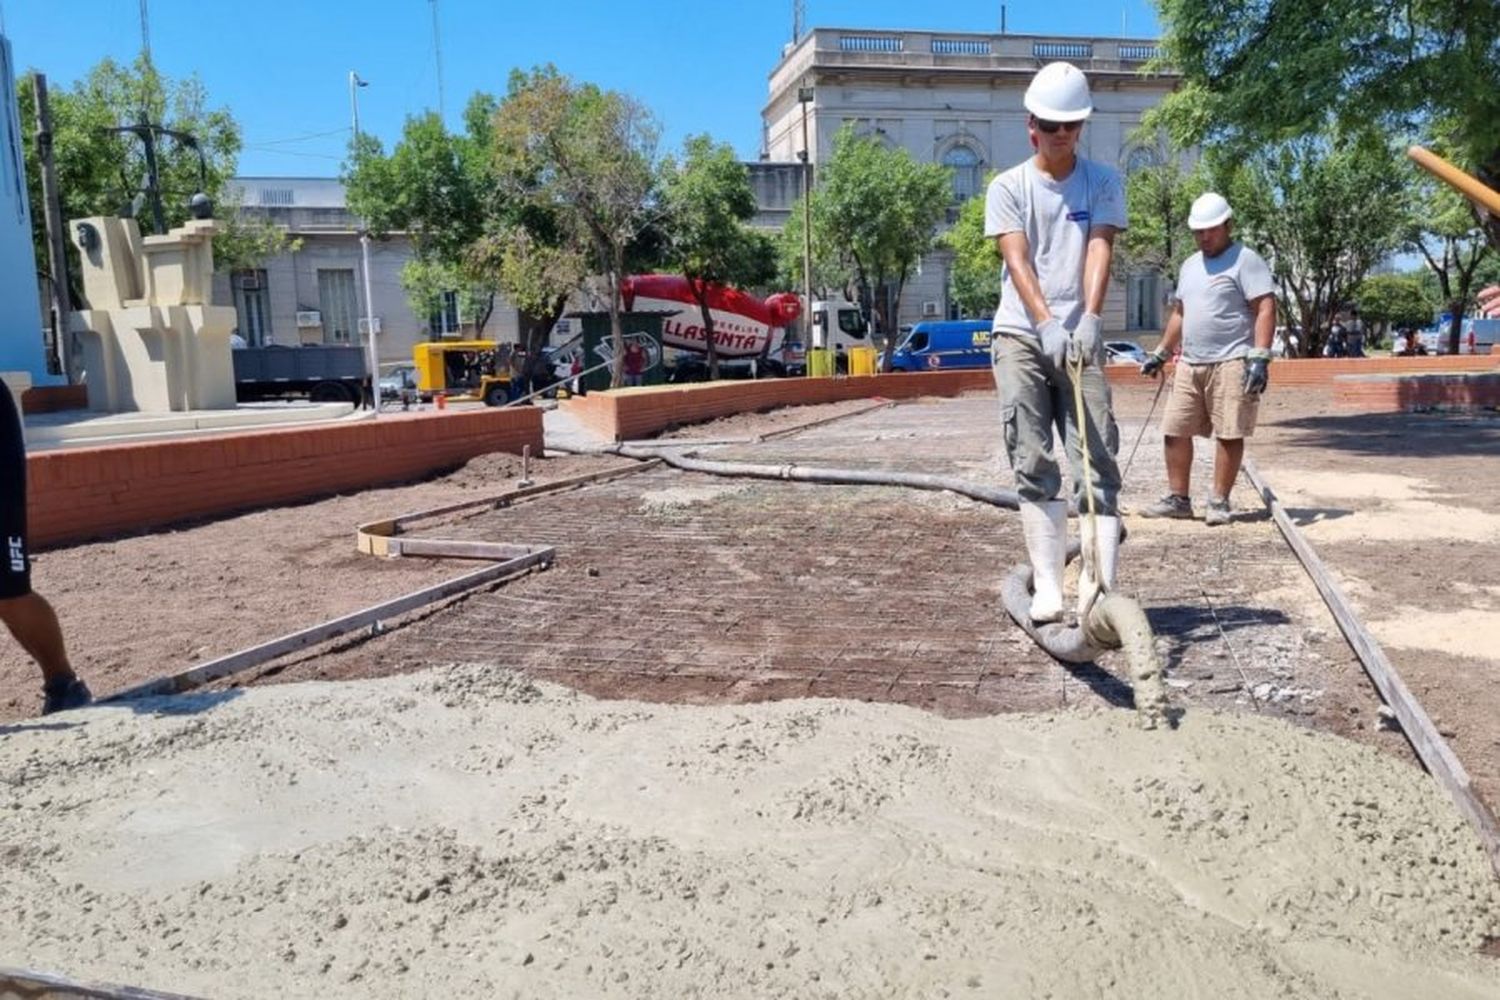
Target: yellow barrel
pixel 819 363
pixel 862 360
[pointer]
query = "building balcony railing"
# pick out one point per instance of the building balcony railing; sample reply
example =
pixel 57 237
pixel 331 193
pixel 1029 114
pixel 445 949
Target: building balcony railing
pixel 834 47
pixel 870 43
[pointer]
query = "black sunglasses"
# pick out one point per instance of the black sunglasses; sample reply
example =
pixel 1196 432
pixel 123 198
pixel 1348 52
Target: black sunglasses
pixel 1051 127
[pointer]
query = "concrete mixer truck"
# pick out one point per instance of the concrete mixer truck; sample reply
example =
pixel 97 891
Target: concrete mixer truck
pixel 750 334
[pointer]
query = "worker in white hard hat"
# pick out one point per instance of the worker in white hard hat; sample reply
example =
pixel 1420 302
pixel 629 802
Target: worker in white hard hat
pixel 1223 318
pixel 1054 217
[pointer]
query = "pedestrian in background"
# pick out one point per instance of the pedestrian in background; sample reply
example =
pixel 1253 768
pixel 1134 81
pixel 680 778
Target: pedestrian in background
pixel 1054 218
pixel 27 615
pixel 1224 319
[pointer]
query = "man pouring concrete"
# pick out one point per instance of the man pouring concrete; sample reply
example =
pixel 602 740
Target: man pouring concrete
pixel 1224 318
pixel 1054 217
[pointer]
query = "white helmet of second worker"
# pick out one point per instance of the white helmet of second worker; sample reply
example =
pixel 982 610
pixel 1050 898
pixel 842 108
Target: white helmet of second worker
pixel 1059 93
pixel 1209 210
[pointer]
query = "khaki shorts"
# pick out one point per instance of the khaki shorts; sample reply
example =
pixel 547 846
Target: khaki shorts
pixel 1210 401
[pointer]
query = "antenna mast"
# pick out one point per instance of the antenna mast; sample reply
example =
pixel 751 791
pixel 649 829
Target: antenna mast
pixel 799 19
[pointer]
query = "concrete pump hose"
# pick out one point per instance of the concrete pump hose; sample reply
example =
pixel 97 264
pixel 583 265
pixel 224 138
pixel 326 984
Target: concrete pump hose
pixel 1114 622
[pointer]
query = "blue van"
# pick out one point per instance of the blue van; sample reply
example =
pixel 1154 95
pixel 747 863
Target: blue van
pixel 959 343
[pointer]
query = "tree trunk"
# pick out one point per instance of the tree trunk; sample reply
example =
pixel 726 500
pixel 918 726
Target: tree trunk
pixel 616 323
pixel 1455 324
pixel 711 349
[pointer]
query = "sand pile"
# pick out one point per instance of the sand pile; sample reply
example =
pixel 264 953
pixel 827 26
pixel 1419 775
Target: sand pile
pixel 463 832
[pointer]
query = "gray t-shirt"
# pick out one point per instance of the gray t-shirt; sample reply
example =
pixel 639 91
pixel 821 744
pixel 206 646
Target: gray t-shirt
pixel 1056 217
pixel 1218 323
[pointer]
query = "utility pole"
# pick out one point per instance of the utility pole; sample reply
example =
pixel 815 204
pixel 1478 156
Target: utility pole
pixel 437 55
pixel 145 33
pixel 372 355
pixel 805 97
pixel 57 256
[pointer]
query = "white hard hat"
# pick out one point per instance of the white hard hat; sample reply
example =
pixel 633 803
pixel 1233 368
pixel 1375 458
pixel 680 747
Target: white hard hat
pixel 1209 210
pixel 1059 93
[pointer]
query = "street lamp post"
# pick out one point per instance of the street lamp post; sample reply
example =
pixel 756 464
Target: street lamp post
pixel 364 253
pixel 804 97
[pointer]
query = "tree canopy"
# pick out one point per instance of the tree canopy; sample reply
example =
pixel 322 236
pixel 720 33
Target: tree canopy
pixel 1323 211
pixel 1256 71
pixel 439 189
pixel 883 208
pixel 707 202
pixel 974 279
pixel 100 172
pixel 586 159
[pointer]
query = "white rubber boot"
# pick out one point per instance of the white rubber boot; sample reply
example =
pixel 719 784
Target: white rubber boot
pixel 1108 544
pixel 1046 528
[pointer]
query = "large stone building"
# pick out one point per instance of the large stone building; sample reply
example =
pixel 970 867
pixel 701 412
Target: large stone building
pixel 954 99
pixel 315 294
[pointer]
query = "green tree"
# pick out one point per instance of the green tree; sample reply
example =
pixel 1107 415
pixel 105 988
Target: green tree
pixel 883 207
pixel 1443 230
pixel 1323 211
pixel 1389 301
pixel 832 270
pixel 101 172
pixel 974 280
pixel 1260 73
pixel 588 158
pixel 707 201
pixel 1157 200
pixel 437 187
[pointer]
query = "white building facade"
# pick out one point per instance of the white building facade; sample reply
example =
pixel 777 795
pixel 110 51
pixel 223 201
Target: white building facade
pixel 955 99
pixel 315 294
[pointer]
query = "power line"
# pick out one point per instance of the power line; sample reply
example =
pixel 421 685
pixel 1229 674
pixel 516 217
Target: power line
pixel 297 138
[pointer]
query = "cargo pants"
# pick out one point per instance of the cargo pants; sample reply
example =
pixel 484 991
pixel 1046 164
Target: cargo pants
pixel 1035 398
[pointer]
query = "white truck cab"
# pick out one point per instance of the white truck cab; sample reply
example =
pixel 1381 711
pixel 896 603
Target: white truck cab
pixel 837 324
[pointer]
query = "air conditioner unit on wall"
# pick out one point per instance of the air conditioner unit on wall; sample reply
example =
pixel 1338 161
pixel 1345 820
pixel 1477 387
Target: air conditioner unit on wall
pixel 310 318
pixel 364 325
pixel 932 308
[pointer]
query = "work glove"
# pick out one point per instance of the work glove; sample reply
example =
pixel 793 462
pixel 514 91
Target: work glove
pixel 1086 338
pixel 1054 338
pixel 1257 371
pixel 1151 367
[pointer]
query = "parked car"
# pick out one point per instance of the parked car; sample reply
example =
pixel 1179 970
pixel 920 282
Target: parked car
pixel 960 343
pixel 399 382
pixel 1124 352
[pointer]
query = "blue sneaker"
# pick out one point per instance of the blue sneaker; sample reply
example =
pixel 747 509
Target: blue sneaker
pixel 64 697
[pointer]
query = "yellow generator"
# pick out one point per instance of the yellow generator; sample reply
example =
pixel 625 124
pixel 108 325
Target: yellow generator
pixel 463 370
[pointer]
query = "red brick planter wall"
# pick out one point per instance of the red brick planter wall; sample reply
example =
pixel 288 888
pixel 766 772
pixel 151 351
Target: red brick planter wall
pixel 52 398
pixel 81 493
pixel 625 414
pixel 1396 394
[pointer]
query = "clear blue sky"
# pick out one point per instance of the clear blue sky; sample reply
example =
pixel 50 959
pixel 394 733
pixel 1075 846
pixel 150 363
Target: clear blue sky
pixel 282 66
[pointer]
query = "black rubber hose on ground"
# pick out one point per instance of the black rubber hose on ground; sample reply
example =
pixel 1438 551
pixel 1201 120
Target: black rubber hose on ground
pixel 1115 622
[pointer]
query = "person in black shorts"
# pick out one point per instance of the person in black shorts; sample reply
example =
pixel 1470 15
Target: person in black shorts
pixel 27 615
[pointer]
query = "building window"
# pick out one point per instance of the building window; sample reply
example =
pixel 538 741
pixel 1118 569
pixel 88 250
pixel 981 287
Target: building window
pixel 1140 158
pixel 336 297
pixel 1144 297
pixel 965 165
pixel 444 320
pixel 252 306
